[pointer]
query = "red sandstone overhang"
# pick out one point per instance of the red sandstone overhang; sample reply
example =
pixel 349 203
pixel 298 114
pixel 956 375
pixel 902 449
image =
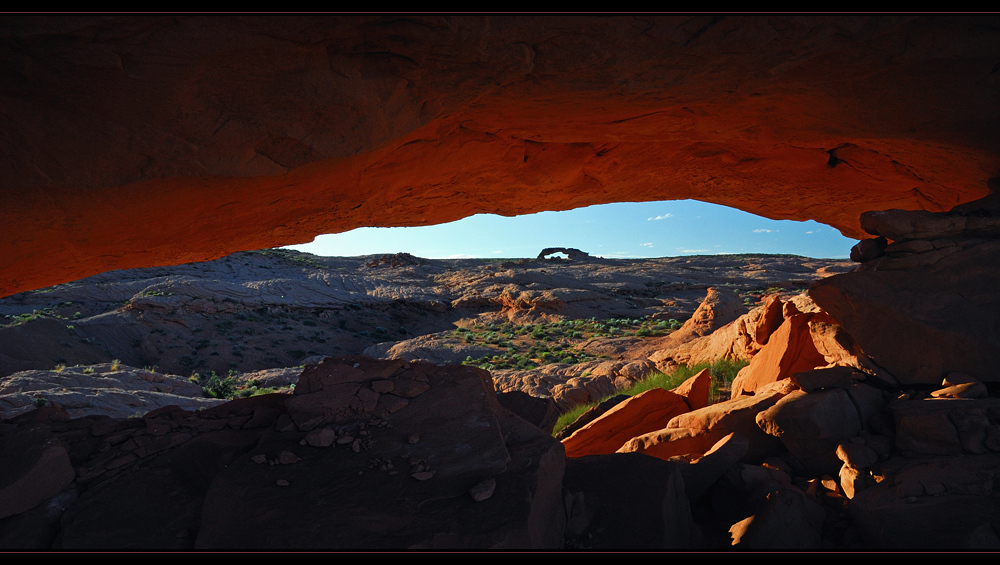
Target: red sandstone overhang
pixel 141 141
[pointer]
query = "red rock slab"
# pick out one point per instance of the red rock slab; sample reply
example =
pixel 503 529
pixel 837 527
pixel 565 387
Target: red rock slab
pixel 696 390
pixel 696 432
pixel 642 413
pixel 735 415
pixel 672 442
pixel 789 350
pixel 143 141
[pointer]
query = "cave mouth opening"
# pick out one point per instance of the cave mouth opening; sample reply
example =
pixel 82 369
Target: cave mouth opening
pixel 622 230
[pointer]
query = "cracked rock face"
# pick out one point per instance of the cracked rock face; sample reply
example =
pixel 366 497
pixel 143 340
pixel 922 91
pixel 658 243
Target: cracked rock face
pixel 150 141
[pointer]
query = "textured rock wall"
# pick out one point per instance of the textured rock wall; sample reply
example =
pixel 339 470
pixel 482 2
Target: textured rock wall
pixel 140 141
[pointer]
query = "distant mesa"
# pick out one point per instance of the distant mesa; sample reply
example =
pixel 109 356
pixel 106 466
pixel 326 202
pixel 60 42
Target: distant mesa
pixel 574 254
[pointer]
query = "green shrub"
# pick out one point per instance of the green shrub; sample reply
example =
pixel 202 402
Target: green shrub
pixel 218 387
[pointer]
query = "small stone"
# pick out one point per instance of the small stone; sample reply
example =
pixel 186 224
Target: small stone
pixel 414 438
pixel 423 475
pixel 282 483
pixel 829 483
pixel 857 456
pixel 356 446
pixel 483 490
pixel 287 458
pixel 964 390
pixel 259 458
pixel 320 437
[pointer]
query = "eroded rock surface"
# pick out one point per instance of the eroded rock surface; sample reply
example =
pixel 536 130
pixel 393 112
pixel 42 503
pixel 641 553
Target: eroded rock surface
pixel 278 308
pixel 200 136
pixel 255 472
pixel 929 305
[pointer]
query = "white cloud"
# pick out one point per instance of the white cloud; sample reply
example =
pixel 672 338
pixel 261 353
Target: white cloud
pixel 645 245
pixel 663 217
pixel 762 230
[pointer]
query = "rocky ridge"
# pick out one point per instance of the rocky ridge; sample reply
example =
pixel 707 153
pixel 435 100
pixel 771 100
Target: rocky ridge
pixel 278 308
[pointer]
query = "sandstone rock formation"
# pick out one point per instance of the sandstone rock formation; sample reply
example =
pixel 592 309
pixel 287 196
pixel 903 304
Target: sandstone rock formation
pixel 199 136
pixel 277 308
pixel 570 252
pixel 648 411
pixel 116 392
pixel 255 472
pixel 929 306
pixel 142 141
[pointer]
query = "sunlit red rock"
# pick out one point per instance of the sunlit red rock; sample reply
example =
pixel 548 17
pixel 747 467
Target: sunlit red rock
pixel 645 412
pixel 789 350
pixel 145 141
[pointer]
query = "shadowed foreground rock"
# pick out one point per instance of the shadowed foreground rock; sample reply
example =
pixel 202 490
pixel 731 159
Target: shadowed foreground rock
pixel 384 456
pixel 929 305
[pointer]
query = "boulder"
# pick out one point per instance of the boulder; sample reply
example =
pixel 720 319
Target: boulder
pixel 789 350
pixel 812 426
pixel 36 467
pixel 404 480
pixel 701 474
pixel 645 412
pixel 930 503
pixel 787 519
pixel 924 311
pixel 697 431
pixel 696 389
pixel 539 411
pixel 652 513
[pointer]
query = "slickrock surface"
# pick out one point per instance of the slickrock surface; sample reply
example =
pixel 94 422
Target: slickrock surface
pixel 99 390
pixel 276 309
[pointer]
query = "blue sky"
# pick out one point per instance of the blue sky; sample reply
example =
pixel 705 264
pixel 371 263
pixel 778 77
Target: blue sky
pixel 625 229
